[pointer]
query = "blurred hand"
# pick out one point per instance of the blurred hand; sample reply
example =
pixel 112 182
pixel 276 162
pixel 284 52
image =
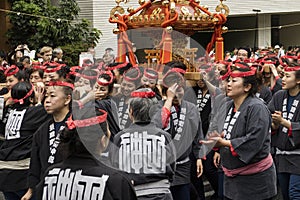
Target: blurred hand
pixel 217 159
pixel 199 167
pixel 39 90
pixel 27 195
pixel 277 118
pixel 100 95
pixel 171 92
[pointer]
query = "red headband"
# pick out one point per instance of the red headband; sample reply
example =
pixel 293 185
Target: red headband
pixel 267 61
pixel 143 94
pixel 74 68
pixel 21 101
pixel 117 66
pixel 179 70
pixel 84 64
pixel 73 71
pixel 239 65
pixel 86 122
pixel 38 67
pixel 61 83
pixel 132 79
pixel 86 76
pixel 178 75
pixel 52 64
pixel 50 70
pixel 36 63
pixel 243 74
pixel 247 60
pixel 292 57
pixel 290 69
pixel 282 64
pixel 272 55
pixel 227 73
pixel 224 62
pixel 14 69
pixel 106 83
pixel 149 75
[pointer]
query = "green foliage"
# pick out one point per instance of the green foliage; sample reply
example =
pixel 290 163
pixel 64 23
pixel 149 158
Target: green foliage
pixel 72 51
pixel 50 25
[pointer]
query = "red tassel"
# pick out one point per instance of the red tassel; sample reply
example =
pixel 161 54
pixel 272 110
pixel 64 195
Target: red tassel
pixel 166 53
pixel 121 50
pixel 219 49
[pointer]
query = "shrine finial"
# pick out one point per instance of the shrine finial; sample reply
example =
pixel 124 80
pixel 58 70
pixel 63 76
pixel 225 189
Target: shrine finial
pixel 222 8
pixel 120 1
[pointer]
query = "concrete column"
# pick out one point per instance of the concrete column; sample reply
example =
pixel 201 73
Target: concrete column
pixel 264 30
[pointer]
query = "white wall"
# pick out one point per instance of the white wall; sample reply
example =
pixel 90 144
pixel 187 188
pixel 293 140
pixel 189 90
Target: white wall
pixel 238 7
pixel 98 12
pixel 289 36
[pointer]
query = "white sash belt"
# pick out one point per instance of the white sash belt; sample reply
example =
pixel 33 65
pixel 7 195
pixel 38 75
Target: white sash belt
pixel 17 165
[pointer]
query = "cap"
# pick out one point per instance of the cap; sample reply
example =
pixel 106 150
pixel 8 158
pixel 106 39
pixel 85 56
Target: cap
pixel 108 49
pixel 277 47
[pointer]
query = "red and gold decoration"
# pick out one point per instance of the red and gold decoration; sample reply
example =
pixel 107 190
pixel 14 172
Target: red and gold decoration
pixel 184 16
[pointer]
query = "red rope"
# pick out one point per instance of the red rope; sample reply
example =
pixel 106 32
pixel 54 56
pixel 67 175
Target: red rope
pixel 194 4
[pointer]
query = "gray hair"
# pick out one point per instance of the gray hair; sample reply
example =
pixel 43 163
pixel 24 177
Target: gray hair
pixel 57 50
pixel 141 107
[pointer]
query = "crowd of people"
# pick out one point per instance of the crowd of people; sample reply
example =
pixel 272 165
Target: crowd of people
pixel 109 130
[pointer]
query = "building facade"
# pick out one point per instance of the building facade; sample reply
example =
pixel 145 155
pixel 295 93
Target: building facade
pixel 277 22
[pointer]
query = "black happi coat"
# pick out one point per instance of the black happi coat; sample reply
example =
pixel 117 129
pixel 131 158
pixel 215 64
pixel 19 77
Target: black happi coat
pixel 110 107
pixel 277 87
pixel 250 138
pixel 41 154
pixel 218 113
pixel 287 145
pixel 106 104
pixel 81 177
pixel 204 108
pixel 265 94
pixel 17 145
pixel 122 111
pixel 188 142
pixel 146 153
